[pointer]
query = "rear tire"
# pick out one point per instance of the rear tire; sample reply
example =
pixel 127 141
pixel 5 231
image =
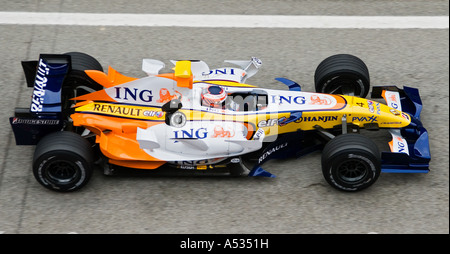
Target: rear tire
pixel 63 161
pixel 77 78
pixel 351 162
pixel 78 83
pixel 342 74
pixel 83 61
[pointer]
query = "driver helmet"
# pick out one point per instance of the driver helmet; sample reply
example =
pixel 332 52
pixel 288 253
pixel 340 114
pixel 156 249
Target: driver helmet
pixel 214 96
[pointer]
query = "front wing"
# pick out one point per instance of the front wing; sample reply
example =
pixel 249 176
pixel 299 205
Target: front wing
pixel 410 150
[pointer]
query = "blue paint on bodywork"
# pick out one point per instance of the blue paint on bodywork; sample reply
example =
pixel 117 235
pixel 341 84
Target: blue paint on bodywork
pixel 259 171
pixel 50 74
pixel 415 135
pixel 293 86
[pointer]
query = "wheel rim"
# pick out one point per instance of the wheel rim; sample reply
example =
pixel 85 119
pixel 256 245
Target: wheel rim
pixel 346 85
pixel 62 172
pixel 352 171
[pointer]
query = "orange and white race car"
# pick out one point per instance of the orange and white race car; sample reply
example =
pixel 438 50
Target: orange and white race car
pixel 197 118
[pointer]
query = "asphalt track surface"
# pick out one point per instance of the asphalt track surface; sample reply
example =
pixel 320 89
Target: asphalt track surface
pixel 298 200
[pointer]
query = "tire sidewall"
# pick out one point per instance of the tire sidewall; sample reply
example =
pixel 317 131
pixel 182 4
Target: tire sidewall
pixel 332 175
pixel 342 65
pixel 41 167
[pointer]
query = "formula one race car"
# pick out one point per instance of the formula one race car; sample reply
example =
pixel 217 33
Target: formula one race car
pixel 197 118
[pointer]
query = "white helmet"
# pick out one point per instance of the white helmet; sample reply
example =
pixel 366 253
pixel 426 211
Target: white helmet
pixel 214 96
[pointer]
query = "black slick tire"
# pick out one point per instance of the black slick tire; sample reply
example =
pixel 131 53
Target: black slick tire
pixel 342 74
pixel 77 77
pixel 82 61
pixel 351 162
pixel 77 81
pixel 63 161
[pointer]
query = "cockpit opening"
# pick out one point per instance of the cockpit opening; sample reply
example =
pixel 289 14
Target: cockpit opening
pixel 244 102
pixel 216 97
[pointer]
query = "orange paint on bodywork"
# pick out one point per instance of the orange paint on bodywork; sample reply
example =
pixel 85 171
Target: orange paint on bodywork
pixel 181 82
pixel 117 139
pixel 95 96
pixel 138 164
pixel 113 78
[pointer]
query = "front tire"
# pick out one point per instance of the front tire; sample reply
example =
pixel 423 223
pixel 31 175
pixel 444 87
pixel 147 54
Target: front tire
pixel 351 162
pixel 342 74
pixel 63 161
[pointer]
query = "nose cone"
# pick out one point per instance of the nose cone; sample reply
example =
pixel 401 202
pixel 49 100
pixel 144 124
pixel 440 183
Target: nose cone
pixel 373 112
pixel 391 118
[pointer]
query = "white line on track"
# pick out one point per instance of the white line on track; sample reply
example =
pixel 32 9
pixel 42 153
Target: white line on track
pixel 224 21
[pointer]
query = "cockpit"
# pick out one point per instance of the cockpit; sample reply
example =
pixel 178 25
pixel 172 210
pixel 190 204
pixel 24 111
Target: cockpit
pixel 241 101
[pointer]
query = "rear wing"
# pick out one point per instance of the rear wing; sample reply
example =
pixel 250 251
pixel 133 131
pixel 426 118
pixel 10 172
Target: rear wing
pixel 46 76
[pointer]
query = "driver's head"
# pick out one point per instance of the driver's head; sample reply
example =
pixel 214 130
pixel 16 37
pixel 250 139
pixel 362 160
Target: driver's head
pixel 214 96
